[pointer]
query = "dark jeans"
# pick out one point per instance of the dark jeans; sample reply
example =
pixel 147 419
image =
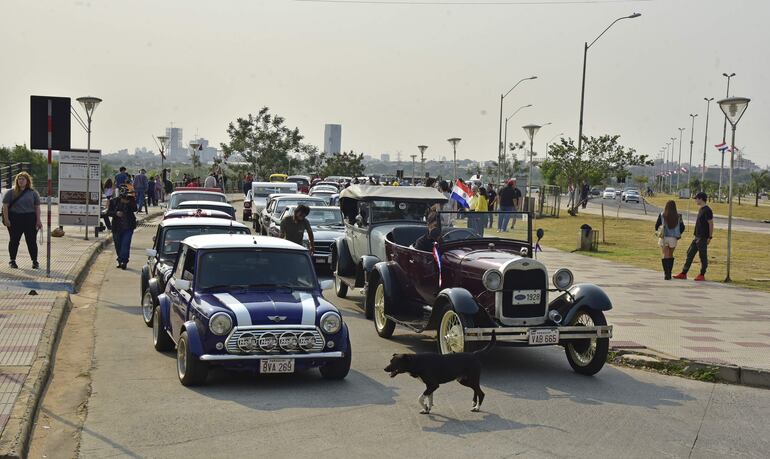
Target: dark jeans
pixel 22 224
pixel 699 246
pixel 122 241
pixel 503 219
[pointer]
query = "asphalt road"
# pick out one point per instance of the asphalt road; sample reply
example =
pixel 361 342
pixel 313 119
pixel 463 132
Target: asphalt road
pixel 535 405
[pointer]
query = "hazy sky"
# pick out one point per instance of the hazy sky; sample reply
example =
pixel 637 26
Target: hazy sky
pixel 394 76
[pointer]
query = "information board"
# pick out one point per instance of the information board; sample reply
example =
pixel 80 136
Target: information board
pixel 72 188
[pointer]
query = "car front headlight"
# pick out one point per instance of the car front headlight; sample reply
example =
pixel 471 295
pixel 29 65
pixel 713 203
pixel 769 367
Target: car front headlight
pixel 492 280
pixel 220 323
pixel 563 278
pixel 331 322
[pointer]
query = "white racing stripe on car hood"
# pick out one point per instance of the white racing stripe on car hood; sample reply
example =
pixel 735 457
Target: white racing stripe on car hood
pixel 242 316
pixel 308 308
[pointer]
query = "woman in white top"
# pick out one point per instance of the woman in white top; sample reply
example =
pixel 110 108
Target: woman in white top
pixel 669 227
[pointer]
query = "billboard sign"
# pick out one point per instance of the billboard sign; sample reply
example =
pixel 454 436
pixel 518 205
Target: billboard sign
pixel 72 188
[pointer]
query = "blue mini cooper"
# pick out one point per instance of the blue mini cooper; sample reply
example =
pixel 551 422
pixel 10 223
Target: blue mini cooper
pixel 251 303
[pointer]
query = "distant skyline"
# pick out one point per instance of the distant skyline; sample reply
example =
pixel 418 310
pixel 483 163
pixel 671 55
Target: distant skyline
pixel 395 76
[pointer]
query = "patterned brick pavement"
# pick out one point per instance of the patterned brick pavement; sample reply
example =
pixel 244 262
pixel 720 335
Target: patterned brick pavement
pixel 705 321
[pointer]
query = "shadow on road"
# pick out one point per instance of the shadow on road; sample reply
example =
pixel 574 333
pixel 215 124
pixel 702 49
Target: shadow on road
pixel 489 423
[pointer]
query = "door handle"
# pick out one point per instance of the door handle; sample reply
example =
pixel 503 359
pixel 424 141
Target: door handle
pixel 411 260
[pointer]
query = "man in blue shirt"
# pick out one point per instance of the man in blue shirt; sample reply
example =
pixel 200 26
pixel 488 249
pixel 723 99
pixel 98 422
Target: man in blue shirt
pixel 140 187
pixel 121 178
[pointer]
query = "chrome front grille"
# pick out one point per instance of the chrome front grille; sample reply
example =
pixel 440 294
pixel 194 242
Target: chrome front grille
pixel 523 279
pixel 323 247
pixel 274 340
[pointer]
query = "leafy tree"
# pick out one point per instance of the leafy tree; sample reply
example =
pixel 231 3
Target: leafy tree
pixel 758 181
pixel 345 163
pixel 313 161
pixel 264 141
pixel 38 165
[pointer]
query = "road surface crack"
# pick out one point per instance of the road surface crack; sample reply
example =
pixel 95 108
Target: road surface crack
pixel 697 434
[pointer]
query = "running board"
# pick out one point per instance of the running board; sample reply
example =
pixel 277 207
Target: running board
pixel 415 326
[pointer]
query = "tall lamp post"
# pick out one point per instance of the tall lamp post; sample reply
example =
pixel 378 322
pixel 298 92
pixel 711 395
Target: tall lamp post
pixel 724 136
pixel 89 105
pixel 502 157
pixel 679 163
pixel 705 141
pixel 549 141
pixel 689 163
pixel 733 108
pixel 671 177
pixel 413 158
pixel 531 130
pixel 583 86
pixel 194 157
pixel 162 144
pixel 422 159
pixel 454 141
pixel 500 149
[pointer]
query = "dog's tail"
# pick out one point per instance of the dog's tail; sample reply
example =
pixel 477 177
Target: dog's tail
pixel 488 346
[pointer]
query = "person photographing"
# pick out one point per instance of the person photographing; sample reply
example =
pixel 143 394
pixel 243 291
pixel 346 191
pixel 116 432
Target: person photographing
pixel 293 227
pixel 21 215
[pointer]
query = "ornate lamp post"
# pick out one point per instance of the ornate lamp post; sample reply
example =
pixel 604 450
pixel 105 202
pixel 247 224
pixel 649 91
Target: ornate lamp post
pixel 733 108
pixel 724 136
pixel 454 141
pixel 422 149
pixel 89 105
pixel 531 130
pixel 679 162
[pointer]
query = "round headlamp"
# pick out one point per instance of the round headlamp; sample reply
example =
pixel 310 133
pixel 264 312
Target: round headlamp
pixel 563 278
pixel 492 280
pixel 331 322
pixel 220 323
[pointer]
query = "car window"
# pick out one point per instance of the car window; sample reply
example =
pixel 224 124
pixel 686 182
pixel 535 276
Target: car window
pixel 178 265
pixel 325 217
pixel 188 269
pixel 255 268
pixel 397 210
pixel 282 204
pixel 175 235
pixel 178 198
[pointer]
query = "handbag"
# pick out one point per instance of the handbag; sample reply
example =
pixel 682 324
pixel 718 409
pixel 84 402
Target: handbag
pixel 13 201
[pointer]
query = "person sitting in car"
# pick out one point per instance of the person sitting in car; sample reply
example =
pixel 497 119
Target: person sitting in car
pixel 432 235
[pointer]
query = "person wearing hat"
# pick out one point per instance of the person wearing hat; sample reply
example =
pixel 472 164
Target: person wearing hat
pixel 122 209
pixel 704 231
pixel 140 187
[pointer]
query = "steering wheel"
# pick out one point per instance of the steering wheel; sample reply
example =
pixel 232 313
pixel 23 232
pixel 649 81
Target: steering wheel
pixel 459 234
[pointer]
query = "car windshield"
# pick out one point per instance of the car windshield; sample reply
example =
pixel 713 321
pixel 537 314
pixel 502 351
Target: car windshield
pixel 179 198
pixel 282 204
pixel 326 217
pixel 470 226
pixel 199 205
pixel 255 268
pixel 382 210
pixel 173 236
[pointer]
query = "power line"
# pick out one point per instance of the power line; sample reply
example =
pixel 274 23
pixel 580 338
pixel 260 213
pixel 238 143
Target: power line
pixel 467 3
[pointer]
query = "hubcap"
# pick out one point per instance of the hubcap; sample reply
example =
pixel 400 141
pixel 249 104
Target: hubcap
pixel 379 307
pixel 451 333
pixel 181 358
pixel 583 351
pixel 147 306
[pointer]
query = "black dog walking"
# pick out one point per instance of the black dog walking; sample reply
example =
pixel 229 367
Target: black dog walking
pixel 436 369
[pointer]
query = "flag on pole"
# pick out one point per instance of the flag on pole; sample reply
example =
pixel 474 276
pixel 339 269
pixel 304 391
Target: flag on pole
pixel 462 194
pixel 437 257
pixel 684 170
pixel 722 147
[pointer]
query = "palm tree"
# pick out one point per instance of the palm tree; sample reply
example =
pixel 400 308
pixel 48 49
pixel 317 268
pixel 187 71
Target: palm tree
pixel 758 181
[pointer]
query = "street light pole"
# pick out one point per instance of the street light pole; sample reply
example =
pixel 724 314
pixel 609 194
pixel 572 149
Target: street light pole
pixel 531 130
pixel 454 141
pixel 679 163
pixel 733 108
pixel 549 141
pixel 705 142
pixel 89 105
pixel 413 158
pixel 689 163
pixel 500 149
pixel 503 157
pixel 422 159
pixel 724 137
pixel 163 143
pixel 583 85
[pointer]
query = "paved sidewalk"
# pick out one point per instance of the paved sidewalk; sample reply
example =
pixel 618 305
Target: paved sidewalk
pixel 704 321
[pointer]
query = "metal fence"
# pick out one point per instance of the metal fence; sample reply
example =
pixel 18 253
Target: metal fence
pixel 8 171
pixel 548 201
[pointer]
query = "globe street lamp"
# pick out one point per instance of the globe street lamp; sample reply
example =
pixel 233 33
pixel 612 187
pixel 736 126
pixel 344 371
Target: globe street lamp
pixel 679 163
pixel 689 163
pixel 89 105
pixel 422 158
pixel 724 136
pixel 505 141
pixel 583 86
pixel 454 141
pixel 705 141
pixel 531 130
pixel 733 108
pixel 413 158
pixel 500 149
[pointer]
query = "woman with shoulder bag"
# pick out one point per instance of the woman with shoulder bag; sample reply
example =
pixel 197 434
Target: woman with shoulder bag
pixel 669 228
pixel 21 215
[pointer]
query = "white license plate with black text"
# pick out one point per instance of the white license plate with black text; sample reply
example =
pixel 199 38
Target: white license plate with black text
pixel 543 336
pixel 276 366
pixel 526 297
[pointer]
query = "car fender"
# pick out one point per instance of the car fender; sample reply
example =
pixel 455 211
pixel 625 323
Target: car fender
pixel 460 299
pixel 194 338
pixel 344 261
pixel 588 296
pixel 385 272
pixel 164 307
pixel 155 289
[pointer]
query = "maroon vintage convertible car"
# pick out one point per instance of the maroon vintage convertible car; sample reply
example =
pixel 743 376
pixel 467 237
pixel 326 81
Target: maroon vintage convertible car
pixel 470 285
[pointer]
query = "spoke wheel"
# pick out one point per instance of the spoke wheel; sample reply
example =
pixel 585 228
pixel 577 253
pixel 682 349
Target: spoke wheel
pixel 382 324
pixel 451 332
pixel 148 307
pixel 587 356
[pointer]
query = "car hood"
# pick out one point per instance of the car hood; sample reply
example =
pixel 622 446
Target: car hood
pixel 486 259
pixel 325 233
pixel 264 308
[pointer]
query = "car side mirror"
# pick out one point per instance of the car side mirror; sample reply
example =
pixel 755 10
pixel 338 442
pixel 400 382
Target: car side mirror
pixel 326 284
pixel 540 233
pixel 151 252
pixel 182 284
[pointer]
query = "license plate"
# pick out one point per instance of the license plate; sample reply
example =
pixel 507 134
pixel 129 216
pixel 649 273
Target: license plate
pixel 276 366
pixel 543 336
pixel 526 297
pixel 320 260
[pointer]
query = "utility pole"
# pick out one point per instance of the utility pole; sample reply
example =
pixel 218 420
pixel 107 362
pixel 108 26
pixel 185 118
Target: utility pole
pixel 689 163
pixel 724 137
pixel 705 142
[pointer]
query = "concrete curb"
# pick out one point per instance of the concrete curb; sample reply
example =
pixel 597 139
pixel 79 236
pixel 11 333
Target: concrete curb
pixel 724 373
pixel 14 441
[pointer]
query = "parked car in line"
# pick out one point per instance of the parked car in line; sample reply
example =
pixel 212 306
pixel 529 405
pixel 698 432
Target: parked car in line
pixel 370 213
pixel 210 205
pixel 276 205
pixel 162 256
pixel 595 191
pixel 192 213
pixel 608 193
pixel 338 179
pixel 631 195
pixel 226 304
pixel 470 286
pixel 327 183
pixel 326 222
pixel 256 198
pixel 194 194
pixel 302 181
pixel 324 192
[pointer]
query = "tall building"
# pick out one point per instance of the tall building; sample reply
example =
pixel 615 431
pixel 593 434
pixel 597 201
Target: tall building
pixel 176 149
pixel 385 157
pixel 333 139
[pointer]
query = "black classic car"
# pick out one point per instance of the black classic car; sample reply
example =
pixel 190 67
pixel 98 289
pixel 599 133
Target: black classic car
pixel 370 213
pixel 162 256
pixel 326 222
pixel 469 286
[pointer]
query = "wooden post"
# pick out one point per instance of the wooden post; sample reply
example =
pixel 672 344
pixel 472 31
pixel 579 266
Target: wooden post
pixel 603 232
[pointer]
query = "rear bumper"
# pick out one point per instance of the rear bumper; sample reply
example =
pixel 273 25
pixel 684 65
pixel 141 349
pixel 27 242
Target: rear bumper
pixel 521 334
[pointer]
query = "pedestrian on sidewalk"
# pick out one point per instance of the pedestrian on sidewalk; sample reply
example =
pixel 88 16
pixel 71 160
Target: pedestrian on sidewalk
pixel 669 228
pixel 584 191
pixel 21 215
pixel 152 198
pixel 121 177
pixel 122 210
pixel 704 231
pixel 140 188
